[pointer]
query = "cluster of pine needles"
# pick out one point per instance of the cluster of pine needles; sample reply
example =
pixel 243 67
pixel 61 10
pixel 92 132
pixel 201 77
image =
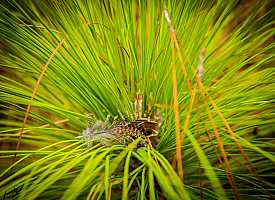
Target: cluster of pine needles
pixel 180 92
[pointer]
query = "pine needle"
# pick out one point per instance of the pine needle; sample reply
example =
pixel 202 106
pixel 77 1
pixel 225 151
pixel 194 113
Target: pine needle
pixel 221 147
pixel 175 99
pixel 249 165
pixel 35 88
pixel 176 115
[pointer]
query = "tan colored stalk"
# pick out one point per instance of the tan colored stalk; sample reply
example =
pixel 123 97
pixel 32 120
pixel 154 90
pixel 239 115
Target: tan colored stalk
pixel 175 97
pixel 176 114
pixel 35 88
pixel 221 147
pixel 110 192
pixel 248 163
